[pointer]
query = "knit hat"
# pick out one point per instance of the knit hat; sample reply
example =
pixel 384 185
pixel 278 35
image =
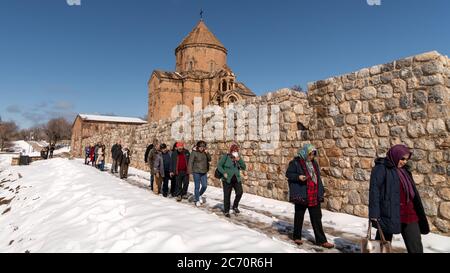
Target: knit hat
pixel 180 144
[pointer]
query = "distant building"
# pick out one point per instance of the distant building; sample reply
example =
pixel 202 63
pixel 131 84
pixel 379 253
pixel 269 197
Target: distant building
pixel 86 126
pixel 201 71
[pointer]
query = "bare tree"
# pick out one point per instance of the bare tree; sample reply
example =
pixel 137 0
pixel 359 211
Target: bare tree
pixel 298 88
pixel 36 133
pixel 8 131
pixel 58 129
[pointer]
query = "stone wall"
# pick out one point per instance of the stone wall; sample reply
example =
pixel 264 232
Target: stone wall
pixel 351 119
pixel 358 116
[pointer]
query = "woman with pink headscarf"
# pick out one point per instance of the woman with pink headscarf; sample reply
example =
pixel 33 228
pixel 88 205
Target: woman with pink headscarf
pixel 394 201
pixel 230 166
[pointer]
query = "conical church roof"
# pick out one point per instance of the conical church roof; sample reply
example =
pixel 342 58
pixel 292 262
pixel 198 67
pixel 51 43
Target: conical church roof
pixel 201 35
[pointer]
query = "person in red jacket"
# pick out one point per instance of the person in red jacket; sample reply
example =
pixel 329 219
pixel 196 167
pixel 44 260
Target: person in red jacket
pixel 92 155
pixel 179 170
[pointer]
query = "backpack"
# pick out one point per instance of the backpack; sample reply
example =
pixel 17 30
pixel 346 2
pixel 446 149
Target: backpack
pixel 147 151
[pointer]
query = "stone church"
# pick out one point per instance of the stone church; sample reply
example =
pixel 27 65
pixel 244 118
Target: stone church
pixel 201 71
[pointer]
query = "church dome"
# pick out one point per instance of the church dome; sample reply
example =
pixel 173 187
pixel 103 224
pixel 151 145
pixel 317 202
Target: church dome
pixel 201 36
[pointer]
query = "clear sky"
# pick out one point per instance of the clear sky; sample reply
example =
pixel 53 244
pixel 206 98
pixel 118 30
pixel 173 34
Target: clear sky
pixel 57 59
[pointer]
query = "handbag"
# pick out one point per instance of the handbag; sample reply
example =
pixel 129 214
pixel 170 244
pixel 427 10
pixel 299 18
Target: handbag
pixel 217 173
pixel 375 246
pixel 294 196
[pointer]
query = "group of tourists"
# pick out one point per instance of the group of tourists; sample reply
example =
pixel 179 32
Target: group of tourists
pixel 47 152
pixel 394 203
pixel 96 155
pixel 177 164
pixel 121 157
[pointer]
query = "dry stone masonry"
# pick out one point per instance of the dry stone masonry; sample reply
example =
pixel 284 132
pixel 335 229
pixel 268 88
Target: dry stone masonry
pixel 351 119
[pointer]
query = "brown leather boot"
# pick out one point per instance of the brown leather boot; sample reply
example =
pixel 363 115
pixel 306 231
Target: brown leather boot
pixel 327 245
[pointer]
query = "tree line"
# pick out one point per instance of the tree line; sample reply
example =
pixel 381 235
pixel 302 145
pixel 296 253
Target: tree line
pixel 53 131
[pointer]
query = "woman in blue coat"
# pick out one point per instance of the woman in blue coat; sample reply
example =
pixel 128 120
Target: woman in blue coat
pixel 394 201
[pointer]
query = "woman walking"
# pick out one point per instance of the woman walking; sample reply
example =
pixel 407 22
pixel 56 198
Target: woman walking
pixel 394 201
pixel 230 166
pixel 306 192
pixel 123 160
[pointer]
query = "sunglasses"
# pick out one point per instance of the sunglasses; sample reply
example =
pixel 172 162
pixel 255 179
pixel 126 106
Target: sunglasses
pixel 313 153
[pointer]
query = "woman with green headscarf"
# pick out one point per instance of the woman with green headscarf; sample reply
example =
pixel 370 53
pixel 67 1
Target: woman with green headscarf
pixel 306 192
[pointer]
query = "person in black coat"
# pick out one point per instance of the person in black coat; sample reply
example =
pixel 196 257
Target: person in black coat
pixel 306 192
pixel 394 201
pixel 115 154
pixel 52 148
pixel 179 170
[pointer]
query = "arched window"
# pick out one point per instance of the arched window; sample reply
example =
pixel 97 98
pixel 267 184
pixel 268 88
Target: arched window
pixel 224 85
pixel 232 99
pixel 191 65
pixel 211 67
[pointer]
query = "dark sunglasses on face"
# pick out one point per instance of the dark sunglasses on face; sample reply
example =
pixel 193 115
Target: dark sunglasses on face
pixel 314 153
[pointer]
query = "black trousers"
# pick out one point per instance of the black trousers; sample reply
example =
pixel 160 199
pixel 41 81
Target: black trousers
pixel 182 180
pixel 165 187
pixel 315 214
pixel 227 188
pixel 411 235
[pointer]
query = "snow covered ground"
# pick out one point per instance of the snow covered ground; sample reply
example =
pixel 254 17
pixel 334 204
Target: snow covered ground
pixel 5 160
pixel 276 212
pixel 62 205
pixel 62 150
pixel 25 148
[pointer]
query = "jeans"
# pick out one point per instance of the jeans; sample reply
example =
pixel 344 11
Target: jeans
pixel 411 235
pixel 101 166
pixel 227 188
pixel 200 178
pixel 315 214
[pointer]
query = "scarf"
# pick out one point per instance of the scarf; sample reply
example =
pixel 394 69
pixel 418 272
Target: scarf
pixel 394 154
pixel 303 154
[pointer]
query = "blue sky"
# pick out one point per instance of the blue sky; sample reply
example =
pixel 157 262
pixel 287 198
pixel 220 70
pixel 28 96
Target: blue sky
pixel 59 60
